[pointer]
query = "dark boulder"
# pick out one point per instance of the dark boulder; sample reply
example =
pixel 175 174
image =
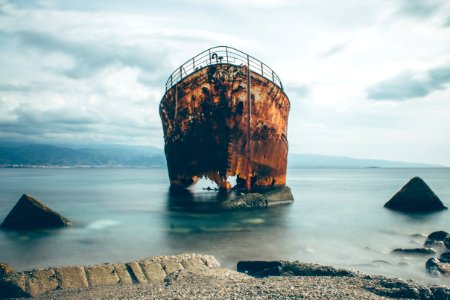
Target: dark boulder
pixel 289 268
pixel 438 235
pixel 260 268
pixel 445 257
pixel 30 213
pixel 437 267
pixel 447 242
pixel 414 251
pixel 415 196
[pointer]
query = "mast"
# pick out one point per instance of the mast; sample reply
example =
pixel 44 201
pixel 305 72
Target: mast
pixel 249 116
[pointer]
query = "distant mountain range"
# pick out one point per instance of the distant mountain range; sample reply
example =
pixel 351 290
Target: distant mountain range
pixel 296 161
pixel 94 156
pixel 32 155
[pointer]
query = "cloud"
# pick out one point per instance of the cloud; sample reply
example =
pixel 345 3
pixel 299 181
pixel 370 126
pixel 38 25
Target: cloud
pixel 9 87
pixel 298 90
pixel 91 57
pixel 334 50
pixel 420 8
pixel 408 85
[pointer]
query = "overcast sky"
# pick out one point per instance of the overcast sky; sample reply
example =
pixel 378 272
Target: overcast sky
pixel 368 79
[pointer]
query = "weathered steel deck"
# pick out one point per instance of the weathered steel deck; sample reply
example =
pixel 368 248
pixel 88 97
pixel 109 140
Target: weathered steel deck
pixel 205 120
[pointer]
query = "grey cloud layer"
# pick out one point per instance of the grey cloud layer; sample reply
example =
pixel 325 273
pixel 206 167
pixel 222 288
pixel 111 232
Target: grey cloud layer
pixel 420 8
pixel 32 108
pixel 408 85
pixel 90 57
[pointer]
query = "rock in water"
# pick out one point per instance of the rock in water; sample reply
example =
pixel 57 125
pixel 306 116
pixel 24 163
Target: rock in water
pixel 30 213
pixel 414 251
pixel 282 195
pixel 5 269
pixel 438 235
pixel 279 196
pixel 445 257
pixel 437 267
pixel 415 196
pixel 436 239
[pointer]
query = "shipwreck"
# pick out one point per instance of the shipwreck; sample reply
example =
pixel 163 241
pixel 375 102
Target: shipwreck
pixel 225 114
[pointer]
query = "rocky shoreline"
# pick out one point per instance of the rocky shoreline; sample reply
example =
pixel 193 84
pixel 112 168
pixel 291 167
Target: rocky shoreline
pixel 196 276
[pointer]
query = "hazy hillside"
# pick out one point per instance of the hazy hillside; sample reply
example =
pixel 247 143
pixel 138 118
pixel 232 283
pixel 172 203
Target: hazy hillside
pixel 48 155
pixel 322 161
pixel 16 154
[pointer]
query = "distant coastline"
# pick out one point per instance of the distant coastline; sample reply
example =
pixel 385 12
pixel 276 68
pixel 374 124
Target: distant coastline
pixel 164 167
pixel 16 155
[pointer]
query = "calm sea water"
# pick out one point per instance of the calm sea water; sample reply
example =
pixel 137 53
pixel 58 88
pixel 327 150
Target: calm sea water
pixel 125 214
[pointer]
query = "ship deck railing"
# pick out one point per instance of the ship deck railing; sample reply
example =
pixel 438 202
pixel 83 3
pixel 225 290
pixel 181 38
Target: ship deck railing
pixel 222 55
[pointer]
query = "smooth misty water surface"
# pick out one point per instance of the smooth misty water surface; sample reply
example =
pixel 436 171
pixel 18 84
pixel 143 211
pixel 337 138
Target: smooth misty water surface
pixel 126 214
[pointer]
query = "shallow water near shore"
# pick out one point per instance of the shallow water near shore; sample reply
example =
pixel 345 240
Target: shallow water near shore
pixel 337 219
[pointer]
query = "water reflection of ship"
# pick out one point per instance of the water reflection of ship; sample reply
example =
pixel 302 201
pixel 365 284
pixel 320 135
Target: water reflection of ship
pixel 224 115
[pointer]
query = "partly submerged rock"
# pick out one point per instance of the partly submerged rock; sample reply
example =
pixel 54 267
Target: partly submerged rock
pixel 436 239
pixel 434 244
pixel 445 257
pixel 250 200
pixel 437 267
pixel 415 196
pixel 5 269
pixel 438 235
pixel 447 242
pixel 277 196
pixel 414 251
pixel 30 213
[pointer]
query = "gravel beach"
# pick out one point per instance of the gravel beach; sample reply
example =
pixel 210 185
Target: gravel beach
pixel 226 284
pixel 198 276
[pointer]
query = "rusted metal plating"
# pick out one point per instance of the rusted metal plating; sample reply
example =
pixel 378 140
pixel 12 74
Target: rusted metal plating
pixel 205 120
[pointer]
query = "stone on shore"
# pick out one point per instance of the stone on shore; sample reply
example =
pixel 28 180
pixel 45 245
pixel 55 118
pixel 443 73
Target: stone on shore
pixel 415 196
pixel 277 196
pixel 414 251
pixel 150 270
pixel 260 268
pixel 289 268
pixel 30 213
pixel 296 281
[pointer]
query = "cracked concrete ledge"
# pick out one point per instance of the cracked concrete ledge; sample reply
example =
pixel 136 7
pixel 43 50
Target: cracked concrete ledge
pixel 148 270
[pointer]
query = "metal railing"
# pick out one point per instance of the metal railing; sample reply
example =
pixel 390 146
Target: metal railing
pixel 222 55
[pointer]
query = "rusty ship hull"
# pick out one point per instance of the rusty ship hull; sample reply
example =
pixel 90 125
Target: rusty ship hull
pixel 209 123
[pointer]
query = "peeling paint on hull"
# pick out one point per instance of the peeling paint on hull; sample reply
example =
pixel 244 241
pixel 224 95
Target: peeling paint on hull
pixel 204 118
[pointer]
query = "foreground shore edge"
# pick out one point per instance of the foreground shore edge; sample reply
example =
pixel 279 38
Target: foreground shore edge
pixel 197 276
